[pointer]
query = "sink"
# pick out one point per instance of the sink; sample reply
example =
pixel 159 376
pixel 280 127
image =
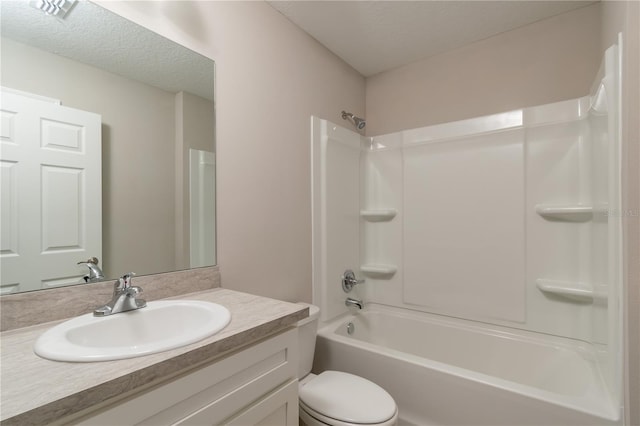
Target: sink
pixel 161 326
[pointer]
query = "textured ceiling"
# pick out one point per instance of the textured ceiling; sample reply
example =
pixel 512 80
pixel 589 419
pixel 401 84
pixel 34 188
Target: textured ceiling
pixel 372 36
pixel 97 37
pixel 375 36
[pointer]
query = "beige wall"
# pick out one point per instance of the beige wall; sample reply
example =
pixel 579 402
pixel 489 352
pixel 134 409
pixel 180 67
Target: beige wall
pixel 270 77
pixel 137 125
pixel 624 17
pixel 547 61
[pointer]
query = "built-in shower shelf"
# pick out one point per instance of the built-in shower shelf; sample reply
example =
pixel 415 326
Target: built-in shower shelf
pixel 380 271
pixel 378 215
pixel 571 290
pixel 567 212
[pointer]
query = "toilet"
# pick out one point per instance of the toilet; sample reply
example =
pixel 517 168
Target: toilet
pixel 336 398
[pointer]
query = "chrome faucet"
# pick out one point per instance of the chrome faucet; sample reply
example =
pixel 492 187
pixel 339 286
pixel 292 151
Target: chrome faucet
pixel 95 273
pixel 124 298
pixel 354 302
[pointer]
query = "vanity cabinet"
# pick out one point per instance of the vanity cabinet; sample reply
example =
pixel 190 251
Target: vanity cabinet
pixel 253 386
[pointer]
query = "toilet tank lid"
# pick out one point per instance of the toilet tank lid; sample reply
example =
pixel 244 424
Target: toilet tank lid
pixel 314 313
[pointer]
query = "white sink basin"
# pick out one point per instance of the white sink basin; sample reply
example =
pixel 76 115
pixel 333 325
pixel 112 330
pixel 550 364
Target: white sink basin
pixel 161 326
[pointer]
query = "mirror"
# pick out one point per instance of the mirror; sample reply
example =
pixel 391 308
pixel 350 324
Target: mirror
pixel 106 149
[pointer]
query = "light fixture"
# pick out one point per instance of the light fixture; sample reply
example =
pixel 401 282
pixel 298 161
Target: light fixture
pixel 57 8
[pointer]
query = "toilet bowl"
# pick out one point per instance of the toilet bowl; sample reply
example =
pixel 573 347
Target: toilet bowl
pixel 337 398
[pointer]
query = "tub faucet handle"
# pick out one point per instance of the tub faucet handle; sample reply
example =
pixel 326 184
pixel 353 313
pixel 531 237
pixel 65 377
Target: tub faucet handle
pixel 349 280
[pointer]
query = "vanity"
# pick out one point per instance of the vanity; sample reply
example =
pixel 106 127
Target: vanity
pixel 246 374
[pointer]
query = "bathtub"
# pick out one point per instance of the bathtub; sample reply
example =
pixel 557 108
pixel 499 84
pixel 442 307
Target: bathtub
pixel 446 371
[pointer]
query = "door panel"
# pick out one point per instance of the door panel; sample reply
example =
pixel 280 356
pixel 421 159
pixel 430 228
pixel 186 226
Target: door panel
pixel 51 192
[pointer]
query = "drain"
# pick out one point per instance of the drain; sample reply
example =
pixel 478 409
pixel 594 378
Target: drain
pixel 350 328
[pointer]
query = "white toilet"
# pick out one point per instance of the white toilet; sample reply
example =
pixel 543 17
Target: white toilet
pixel 335 398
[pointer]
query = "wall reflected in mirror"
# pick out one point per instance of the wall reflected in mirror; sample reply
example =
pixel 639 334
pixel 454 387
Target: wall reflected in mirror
pixel 107 149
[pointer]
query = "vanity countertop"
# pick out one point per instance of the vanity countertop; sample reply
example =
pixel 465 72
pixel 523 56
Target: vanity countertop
pixel 38 391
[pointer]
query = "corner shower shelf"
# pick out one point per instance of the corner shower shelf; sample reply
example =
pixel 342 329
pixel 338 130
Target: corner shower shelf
pixel 569 212
pixel 378 215
pixel 571 290
pixel 380 271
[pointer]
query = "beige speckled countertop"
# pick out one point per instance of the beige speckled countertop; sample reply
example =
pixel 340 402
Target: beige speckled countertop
pixel 37 391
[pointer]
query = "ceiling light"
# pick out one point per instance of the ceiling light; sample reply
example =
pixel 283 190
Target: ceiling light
pixel 57 8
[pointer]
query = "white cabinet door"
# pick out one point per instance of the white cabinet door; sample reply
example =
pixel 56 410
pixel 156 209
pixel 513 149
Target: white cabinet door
pixel 51 192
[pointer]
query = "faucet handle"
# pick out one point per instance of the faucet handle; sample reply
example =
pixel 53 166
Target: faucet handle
pixel 124 282
pixel 127 278
pixel 349 280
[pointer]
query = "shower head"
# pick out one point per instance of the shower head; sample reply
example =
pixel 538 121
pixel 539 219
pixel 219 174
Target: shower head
pixel 357 121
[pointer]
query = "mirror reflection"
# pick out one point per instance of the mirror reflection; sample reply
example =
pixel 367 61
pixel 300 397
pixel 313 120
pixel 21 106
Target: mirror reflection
pixel 107 150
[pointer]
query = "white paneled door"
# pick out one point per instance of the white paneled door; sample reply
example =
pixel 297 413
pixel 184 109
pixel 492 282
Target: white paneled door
pixel 51 192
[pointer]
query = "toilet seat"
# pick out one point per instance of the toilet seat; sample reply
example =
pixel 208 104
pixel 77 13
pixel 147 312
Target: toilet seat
pixel 306 414
pixel 343 399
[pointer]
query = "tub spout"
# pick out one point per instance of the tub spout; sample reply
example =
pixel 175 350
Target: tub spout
pixel 354 302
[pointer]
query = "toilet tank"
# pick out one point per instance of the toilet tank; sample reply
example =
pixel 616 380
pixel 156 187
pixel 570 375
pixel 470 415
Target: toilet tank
pixel 307 329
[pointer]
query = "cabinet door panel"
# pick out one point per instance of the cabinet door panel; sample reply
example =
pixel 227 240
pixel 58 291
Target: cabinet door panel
pixel 280 408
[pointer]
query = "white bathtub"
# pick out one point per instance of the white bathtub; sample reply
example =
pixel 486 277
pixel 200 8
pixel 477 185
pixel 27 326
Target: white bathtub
pixel 446 371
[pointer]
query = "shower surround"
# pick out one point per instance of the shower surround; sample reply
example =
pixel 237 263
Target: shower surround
pixel 508 222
